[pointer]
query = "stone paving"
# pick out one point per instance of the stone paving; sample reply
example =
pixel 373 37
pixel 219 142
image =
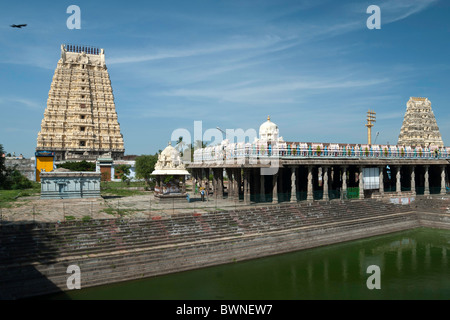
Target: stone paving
pixel 33 208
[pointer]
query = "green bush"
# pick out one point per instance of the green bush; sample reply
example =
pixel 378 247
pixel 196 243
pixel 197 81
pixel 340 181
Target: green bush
pixel 78 165
pixel 14 180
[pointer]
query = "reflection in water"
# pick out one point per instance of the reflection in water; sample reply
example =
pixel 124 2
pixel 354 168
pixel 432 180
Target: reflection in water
pixel 413 265
pixel 444 257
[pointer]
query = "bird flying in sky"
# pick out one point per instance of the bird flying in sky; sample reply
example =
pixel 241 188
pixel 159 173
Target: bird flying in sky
pixel 18 25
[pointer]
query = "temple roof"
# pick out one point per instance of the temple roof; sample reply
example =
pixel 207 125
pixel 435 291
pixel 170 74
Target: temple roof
pixel 268 131
pixel 170 163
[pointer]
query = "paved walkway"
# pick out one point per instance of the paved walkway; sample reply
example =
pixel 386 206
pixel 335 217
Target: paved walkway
pixel 133 207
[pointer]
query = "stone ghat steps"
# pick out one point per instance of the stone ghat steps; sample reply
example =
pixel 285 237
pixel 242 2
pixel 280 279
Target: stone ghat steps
pixel 198 234
pixel 438 205
pixel 319 211
pixel 129 265
pixel 109 236
pixel 195 234
pixel 210 222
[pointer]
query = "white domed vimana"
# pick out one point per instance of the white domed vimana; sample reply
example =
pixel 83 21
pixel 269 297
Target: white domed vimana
pixel 268 131
pixel 169 162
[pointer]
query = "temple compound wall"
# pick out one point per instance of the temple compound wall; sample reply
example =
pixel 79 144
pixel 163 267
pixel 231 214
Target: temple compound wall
pixel 24 166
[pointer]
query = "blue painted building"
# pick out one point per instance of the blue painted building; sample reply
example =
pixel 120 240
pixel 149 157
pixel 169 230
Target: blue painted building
pixel 64 184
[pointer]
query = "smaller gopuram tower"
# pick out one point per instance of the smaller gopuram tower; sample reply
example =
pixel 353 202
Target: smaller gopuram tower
pixel 419 126
pixel 80 121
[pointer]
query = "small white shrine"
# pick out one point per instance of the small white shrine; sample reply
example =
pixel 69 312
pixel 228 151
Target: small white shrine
pixel 170 174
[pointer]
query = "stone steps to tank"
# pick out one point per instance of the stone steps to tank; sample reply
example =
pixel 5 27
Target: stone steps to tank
pixel 90 238
pixel 139 259
pixel 117 267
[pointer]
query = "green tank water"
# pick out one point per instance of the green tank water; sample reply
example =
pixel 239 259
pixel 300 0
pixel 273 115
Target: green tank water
pixel 412 265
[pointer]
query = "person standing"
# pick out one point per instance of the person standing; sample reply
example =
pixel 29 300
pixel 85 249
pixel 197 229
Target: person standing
pixel 202 192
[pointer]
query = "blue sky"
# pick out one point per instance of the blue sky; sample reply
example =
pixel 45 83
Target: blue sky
pixel 313 66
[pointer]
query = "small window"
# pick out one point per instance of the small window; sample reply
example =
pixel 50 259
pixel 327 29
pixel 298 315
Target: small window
pixel 82 129
pixel 82 106
pixel 82 116
pixel 82 143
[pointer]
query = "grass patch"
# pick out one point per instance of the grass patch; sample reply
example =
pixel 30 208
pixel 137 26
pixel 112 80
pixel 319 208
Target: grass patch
pixel 7 197
pixel 110 211
pixel 86 219
pixel 122 189
pixel 122 192
pixel 121 212
pixel 69 218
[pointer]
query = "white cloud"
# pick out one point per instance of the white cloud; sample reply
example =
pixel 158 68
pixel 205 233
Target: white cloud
pixel 402 9
pixel 13 102
pixel 210 48
pixel 272 92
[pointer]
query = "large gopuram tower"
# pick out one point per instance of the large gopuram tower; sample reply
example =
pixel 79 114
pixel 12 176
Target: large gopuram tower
pixel 419 126
pixel 80 121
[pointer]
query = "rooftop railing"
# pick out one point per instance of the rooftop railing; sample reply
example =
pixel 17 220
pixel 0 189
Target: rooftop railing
pixel 81 48
pixel 261 150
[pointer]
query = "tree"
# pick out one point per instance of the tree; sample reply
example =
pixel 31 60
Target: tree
pixel 78 165
pixel 2 168
pixel 145 165
pixel 11 178
pixel 16 180
pixel 197 145
pixel 122 171
pixel 181 145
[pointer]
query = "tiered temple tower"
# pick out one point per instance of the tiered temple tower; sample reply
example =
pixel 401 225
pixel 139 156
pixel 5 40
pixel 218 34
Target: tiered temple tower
pixel 419 125
pixel 80 121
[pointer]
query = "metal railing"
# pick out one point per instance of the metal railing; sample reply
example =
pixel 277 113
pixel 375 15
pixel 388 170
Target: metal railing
pixel 235 152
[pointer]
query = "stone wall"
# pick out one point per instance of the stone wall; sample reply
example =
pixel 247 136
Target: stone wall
pixel 27 167
pixel 34 258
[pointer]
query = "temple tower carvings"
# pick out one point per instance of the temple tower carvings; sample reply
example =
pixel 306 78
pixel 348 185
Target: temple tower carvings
pixel 419 126
pixel 80 121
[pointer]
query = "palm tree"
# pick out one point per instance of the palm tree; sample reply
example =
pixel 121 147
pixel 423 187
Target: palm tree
pixel 181 145
pixel 199 144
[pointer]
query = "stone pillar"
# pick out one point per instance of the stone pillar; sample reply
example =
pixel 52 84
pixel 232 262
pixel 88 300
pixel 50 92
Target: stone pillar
pixel 413 180
pixel 202 178
pixel 344 181
pixel 262 189
pixel 293 184
pixel 230 184
pixel 214 182
pixel 325 196
pixel 310 192
pixel 220 183
pixel 427 182
pixel 361 182
pixel 237 183
pixel 246 186
pixel 381 179
pixel 398 181
pixel 443 190
pixel 275 188
pixel 183 184
pixel 157 184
